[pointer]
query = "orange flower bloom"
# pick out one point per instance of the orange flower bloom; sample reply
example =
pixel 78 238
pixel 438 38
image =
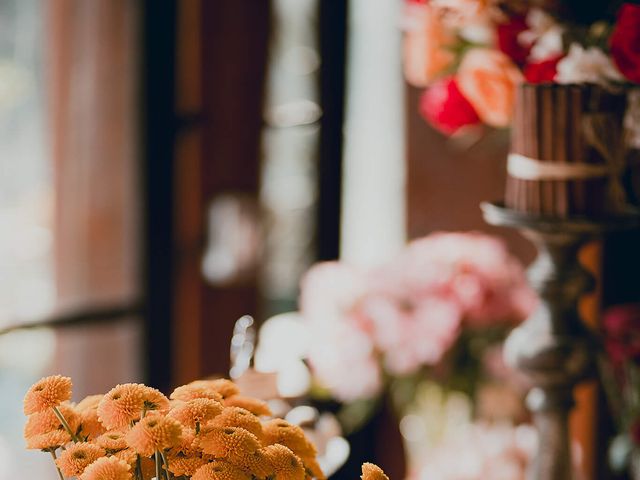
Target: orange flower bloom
pixel 91 426
pixel 112 441
pixel 426 47
pixel 48 441
pixel 488 80
pixel 181 465
pixel 371 471
pixel 256 464
pixel 196 411
pixel 129 456
pixel 220 470
pixel 125 403
pixel 47 393
pixel 239 417
pixel 107 468
pixel 213 389
pixel 77 457
pixel 286 464
pixel 90 402
pixel 154 432
pixel 185 458
pixel 289 435
pixel 232 443
pixel 256 406
pixel 312 465
pixel 47 421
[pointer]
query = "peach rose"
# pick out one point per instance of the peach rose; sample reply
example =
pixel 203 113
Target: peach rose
pixel 488 79
pixel 425 46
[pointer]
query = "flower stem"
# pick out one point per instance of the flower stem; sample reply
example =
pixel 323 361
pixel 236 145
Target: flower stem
pixel 139 468
pixel 64 423
pixel 157 465
pixel 166 464
pixel 53 454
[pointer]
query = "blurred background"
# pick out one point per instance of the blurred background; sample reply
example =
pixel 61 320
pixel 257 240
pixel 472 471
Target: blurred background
pixel 169 166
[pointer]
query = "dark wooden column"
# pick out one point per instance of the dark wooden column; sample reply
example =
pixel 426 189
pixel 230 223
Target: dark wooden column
pixel 221 63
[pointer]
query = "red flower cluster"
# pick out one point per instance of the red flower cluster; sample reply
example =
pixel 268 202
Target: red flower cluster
pixel 508 41
pixel 445 108
pixel 625 42
pixel 622 333
pixel 542 72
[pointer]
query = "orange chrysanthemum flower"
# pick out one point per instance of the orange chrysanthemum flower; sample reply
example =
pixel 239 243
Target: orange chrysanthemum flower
pixel 223 386
pixel 286 464
pixel 254 405
pixel 220 470
pixel 291 436
pixel 154 433
pixel 126 403
pixel 107 468
pixel 90 402
pixel 239 417
pixel 181 465
pixel 127 455
pixel 257 464
pixel 185 458
pixel 48 441
pixel 194 390
pixel 371 471
pixel 313 467
pixel 195 412
pixel 232 443
pixel 77 457
pixel 47 393
pixel 112 441
pixel 91 427
pixel 47 421
pixel 130 457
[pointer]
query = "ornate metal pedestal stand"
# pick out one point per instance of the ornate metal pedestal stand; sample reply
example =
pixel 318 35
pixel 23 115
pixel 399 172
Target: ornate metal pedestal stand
pixel 553 347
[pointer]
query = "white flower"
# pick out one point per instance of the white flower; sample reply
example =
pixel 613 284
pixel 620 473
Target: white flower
pixel 481 33
pixel 590 65
pixel 544 35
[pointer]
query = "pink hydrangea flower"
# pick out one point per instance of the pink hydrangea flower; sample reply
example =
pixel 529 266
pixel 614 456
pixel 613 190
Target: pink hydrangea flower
pixel 407 314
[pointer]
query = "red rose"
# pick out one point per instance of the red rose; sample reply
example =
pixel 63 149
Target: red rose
pixel 625 42
pixel 445 108
pixel 542 72
pixel 508 39
pixel 621 326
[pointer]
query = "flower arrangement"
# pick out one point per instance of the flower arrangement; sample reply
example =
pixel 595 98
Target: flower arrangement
pixel 440 302
pixel 205 430
pixel 470 55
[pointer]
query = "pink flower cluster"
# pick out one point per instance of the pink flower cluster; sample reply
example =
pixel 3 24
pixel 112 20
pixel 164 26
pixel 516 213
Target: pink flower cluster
pixel 470 55
pixel 408 313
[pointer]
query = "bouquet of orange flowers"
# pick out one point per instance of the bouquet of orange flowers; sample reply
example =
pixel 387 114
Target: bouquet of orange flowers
pixel 205 430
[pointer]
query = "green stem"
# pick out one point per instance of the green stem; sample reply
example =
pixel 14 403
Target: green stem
pixel 157 465
pixel 64 423
pixel 166 464
pixel 53 454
